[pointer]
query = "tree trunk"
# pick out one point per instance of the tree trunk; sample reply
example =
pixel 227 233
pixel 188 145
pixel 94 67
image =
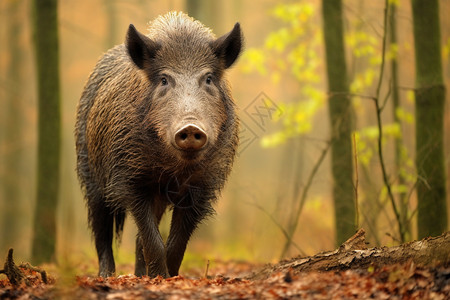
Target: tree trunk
pixel 13 124
pixel 340 116
pixel 430 99
pixel 398 142
pixel 47 59
pixel 111 19
pixel 208 12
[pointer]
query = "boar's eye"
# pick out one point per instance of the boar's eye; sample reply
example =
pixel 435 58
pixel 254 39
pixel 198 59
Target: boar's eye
pixel 164 81
pixel 208 79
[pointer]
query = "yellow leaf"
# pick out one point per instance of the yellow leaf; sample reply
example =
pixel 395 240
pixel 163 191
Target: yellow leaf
pixel 410 96
pixel 254 59
pixel 394 2
pixel 275 77
pixel 404 115
pixel 393 51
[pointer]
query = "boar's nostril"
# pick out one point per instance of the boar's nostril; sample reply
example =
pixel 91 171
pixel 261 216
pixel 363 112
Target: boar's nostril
pixel 190 137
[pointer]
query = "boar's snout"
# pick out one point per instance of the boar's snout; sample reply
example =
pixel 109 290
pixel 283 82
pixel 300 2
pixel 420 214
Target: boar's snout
pixel 190 138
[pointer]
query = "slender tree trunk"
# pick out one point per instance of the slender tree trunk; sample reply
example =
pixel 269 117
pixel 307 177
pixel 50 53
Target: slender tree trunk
pixel 13 122
pixel 340 116
pixel 111 18
pixel 208 12
pixel 398 146
pixel 46 48
pixel 430 99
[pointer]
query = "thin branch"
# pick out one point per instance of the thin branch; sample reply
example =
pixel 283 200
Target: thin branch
pixel 363 20
pixel 330 94
pixel 207 268
pixel 406 88
pixel 285 233
pixel 383 52
pixel 372 228
pixel 386 98
pixel 355 155
pixel 409 197
pixel 380 127
pixel 303 199
pixel 393 237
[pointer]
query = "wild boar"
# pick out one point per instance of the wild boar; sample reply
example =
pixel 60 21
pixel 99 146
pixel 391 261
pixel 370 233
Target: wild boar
pixel 156 128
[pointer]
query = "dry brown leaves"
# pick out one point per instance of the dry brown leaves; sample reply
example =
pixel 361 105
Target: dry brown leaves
pixel 406 281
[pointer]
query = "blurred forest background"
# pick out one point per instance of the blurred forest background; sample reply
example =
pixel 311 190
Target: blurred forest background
pixel 279 200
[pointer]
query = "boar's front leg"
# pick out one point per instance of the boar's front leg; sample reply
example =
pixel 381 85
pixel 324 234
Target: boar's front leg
pixel 139 267
pixel 184 222
pixel 151 241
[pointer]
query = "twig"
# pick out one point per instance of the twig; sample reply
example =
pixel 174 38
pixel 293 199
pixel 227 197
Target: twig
pixel 363 20
pixel 411 191
pixel 392 237
pixel 380 127
pixel 406 88
pixel 371 228
pixel 356 181
pixel 303 199
pixel 330 94
pixel 386 98
pixel 383 52
pixel 207 268
pixel 285 233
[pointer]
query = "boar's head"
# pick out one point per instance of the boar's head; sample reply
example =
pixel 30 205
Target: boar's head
pixel 190 103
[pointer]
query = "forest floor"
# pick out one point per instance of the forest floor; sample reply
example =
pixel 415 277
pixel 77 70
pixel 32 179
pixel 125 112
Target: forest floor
pixel 232 280
pixel 345 273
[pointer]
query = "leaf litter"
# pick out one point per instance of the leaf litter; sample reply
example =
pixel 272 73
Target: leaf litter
pixel 231 281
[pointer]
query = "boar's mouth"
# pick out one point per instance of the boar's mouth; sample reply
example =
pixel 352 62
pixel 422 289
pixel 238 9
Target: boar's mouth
pixel 190 157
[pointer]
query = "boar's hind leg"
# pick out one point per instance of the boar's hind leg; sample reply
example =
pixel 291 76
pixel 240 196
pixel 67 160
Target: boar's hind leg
pixel 102 220
pixel 184 222
pixel 151 242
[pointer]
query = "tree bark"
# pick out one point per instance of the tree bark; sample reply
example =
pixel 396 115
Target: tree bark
pixel 402 199
pixel 340 117
pixel 430 99
pixel 208 12
pixel 13 159
pixel 111 19
pixel 47 59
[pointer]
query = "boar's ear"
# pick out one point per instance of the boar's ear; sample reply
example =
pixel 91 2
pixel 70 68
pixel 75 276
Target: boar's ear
pixel 228 47
pixel 140 48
